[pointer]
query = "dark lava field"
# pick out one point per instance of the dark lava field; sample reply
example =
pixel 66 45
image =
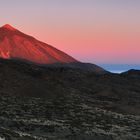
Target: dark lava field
pixel 62 103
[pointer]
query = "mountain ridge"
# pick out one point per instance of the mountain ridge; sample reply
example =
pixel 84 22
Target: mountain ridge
pixel 15 44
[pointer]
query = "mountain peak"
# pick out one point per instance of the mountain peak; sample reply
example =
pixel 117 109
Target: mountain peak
pixel 17 45
pixel 9 27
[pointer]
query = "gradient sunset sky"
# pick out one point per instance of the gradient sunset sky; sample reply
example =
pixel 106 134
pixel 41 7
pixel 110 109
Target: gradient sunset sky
pixel 97 31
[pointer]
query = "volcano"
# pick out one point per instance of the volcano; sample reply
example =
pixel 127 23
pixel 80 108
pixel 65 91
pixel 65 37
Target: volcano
pixel 16 45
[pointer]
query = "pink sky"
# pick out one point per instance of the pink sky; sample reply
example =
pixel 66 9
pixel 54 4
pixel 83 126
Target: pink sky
pixel 97 31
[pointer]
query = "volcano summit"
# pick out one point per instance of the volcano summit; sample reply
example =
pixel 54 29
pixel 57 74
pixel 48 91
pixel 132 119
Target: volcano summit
pixel 15 44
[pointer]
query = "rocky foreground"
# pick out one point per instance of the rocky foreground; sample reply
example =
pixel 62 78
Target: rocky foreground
pixel 64 118
pixel 38 103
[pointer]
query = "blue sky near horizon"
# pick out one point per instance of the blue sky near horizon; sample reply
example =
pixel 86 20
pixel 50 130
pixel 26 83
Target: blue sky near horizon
pixel 118 68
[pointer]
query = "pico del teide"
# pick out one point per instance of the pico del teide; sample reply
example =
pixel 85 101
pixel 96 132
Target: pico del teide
pixel 15 44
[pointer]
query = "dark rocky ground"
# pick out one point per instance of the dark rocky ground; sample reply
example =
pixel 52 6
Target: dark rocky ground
pixel 67 104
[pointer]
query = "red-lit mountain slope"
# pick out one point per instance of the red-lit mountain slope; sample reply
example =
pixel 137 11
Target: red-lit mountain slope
pixel 15 44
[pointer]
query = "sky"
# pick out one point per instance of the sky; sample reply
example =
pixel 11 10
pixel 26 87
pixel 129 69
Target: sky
pixel 96 31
